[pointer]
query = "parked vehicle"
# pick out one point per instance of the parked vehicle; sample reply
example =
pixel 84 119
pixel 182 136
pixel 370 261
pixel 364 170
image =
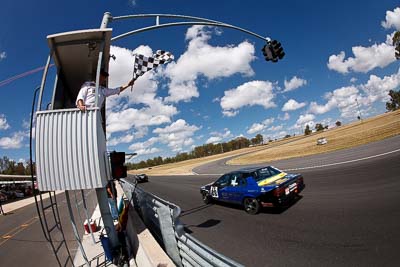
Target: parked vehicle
pixel 322 141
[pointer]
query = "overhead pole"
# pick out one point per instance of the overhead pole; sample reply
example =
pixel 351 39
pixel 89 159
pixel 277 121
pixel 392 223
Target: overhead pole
pixel 195 21
pixel 101 193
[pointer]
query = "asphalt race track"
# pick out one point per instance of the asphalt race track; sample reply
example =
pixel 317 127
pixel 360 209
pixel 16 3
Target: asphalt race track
pixel 21 238
pixel 349 213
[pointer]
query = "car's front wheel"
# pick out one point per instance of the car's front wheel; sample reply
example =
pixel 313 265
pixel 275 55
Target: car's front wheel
pixel 251 206
pixel 206 198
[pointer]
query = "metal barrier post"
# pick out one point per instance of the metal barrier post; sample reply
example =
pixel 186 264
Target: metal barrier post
pixel 168 234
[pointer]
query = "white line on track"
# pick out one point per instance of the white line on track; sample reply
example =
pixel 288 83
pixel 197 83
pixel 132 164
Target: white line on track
pixel 345 162
pixel 326 165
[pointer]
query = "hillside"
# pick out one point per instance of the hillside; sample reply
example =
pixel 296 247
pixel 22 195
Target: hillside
pixel 346 136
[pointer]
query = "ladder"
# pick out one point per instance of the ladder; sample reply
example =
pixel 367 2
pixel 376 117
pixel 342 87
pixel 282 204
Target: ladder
pixel 48 213
pixel 49 218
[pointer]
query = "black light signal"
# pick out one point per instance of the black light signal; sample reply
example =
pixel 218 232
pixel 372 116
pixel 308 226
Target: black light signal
pixel 118 169
pixel 273 51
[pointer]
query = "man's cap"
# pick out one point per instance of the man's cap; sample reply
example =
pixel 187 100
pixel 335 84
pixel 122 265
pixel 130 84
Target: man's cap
pixel 104 73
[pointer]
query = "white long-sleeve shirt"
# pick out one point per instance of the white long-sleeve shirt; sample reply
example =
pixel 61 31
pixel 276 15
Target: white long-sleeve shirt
pixel 87 94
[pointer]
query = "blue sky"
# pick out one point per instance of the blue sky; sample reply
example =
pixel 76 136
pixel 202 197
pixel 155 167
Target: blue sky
pixel 219 86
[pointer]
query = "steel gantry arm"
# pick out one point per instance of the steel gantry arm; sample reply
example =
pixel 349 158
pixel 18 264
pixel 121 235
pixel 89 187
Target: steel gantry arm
pixel 194 21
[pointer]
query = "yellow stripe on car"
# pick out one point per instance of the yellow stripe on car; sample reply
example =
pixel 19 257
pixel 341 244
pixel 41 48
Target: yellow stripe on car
pixel 272 179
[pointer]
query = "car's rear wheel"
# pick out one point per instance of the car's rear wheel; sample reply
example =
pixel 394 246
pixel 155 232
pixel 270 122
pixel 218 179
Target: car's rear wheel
pixel 251 206
pixel 206 198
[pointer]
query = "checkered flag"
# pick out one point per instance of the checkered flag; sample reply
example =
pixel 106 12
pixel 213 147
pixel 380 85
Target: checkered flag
pixel 143 64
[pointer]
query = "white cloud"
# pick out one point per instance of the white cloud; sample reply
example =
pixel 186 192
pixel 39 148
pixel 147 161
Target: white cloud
pixel 227 133
pixel 26 124
pixel 183 91
pixel 120 140
pixel 377 89
pixel 144 89
pixel 206 60
pixel 364 60
pixel 275 128
pixel 276 135
pixel 3 55
pixel 353 80
pixel 3 122
pixel 129 118
pixel 248 94
pixel 292 104
pixel 256 127
pixel 346 98
pixel 392 19
pixel 144 148
pixel 218 137
pixel 285 117
pixel 321 109
pixel 229 113
pixel 303 120
pixel 177 135
pixel 328 122
pixel 13 142
pixel 343 98
pixel 127 138
pixel 293 84
pixel 148 151
pixel 214 139
pixel 268 121
pixel 121 116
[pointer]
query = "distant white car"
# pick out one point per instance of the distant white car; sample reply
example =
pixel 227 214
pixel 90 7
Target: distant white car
pixel 322 141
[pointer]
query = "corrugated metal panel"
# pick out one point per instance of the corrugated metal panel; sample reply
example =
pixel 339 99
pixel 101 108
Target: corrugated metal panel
pixel 70 150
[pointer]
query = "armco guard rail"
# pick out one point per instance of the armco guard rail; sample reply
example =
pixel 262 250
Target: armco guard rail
pixel 162 219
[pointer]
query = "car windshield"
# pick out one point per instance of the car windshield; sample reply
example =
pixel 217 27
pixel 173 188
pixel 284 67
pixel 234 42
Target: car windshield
pixel 265 173
pixel 223 181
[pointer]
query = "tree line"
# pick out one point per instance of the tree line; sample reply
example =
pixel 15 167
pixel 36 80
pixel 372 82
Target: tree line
pixel 10 167
pixel 200 151
pixel 319 127
pixel 394 102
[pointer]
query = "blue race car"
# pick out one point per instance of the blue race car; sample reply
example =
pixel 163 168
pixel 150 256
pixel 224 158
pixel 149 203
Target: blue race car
pixel 254 188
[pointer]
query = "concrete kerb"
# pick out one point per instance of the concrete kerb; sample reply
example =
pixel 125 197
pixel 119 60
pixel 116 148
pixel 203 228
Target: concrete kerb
pixel 9 207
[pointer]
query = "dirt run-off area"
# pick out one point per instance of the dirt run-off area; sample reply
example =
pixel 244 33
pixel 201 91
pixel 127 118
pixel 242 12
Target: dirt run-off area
pixel 346 136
